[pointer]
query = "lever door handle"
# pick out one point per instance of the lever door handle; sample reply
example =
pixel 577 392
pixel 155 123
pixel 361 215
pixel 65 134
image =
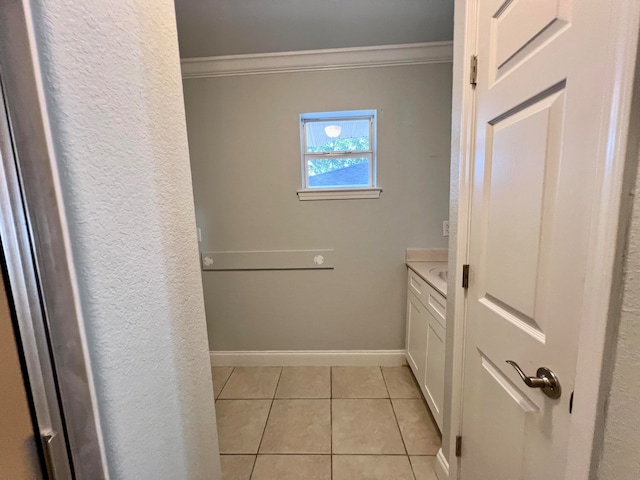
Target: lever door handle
pixel 545 380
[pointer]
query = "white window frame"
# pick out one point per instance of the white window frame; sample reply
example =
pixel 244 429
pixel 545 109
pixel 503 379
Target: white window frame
pixel 339 193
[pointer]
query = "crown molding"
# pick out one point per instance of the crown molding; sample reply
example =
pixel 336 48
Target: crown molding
pixel 318 60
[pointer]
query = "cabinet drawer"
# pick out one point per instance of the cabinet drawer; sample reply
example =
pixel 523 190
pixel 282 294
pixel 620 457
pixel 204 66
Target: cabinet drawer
pixel 419 287
pixel 437 305
pixel 435 302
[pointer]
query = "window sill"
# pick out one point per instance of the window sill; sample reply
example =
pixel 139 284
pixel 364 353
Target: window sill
pixel 339 194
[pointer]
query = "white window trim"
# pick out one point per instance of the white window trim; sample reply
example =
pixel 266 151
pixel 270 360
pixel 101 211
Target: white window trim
pixel 338 193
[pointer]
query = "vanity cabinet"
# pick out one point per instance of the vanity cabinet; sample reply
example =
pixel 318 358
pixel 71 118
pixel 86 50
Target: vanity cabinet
pixel 426 313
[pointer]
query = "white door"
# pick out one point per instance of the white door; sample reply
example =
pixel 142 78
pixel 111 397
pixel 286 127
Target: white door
pixel 537 128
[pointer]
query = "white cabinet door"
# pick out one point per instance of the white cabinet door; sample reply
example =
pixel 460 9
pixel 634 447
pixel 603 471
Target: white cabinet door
pixel 416 336
pixel 434 371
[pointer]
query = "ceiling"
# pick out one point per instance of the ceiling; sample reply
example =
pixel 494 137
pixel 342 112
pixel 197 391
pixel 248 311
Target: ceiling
pixel 229 27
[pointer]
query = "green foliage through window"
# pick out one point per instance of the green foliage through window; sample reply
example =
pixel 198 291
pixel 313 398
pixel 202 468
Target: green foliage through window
pixel 356 144
pixel 319 166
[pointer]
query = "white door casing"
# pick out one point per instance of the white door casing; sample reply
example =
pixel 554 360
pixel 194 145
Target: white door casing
pixel 534 182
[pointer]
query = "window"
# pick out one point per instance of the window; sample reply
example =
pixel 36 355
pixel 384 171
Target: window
pixel 338 155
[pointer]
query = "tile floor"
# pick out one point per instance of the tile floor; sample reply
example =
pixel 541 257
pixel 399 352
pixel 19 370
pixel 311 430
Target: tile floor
pixel 323 423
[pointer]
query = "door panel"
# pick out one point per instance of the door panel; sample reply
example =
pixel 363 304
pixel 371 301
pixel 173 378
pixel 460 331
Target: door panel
pixel 520 27
pixel 521 165
pixel 518 22
pixel 533 184
pixel 506 410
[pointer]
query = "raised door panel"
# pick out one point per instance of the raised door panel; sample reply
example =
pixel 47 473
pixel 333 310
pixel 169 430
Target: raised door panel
pixel 520 27
pixel 502 416
pixel 520 176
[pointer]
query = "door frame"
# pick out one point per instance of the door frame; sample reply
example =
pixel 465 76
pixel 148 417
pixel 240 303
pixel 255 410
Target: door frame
pixel 40 261
pixel 611 214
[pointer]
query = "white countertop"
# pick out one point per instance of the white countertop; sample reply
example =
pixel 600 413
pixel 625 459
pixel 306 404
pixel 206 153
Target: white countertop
pixel 423 269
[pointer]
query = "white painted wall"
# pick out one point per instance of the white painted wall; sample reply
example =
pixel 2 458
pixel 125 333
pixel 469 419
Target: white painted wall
pixel 113 87
pixel 245 151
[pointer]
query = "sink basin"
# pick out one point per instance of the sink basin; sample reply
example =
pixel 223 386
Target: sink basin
pixel 438 277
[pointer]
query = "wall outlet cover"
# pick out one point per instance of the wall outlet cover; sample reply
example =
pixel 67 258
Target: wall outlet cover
pixel 445 228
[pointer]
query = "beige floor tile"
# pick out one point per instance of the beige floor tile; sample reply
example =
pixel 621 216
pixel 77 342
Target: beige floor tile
pixel 365 427
pixel 419 433
pixel 400 382
pixel 292 467
pixel 371 467
pixel 220 376
pixel 358 382
pixel 251 382
pixel 237 467
pixel 298 426
pixel 240 424
pixel 304 382
pixel 424 467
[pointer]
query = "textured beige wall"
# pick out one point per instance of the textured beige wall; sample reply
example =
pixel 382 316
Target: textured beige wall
pixel 245 154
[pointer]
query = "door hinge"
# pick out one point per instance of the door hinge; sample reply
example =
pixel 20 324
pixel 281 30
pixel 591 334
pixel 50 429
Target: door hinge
pixel 465 276
pixel 473 79
pixel 458 446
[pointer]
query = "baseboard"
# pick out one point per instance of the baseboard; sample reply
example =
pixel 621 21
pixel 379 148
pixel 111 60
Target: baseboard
pixel 442 466
pixel 331 358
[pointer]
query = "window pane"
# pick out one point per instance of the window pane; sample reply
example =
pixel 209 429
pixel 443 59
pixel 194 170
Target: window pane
pixel 338 172
pixel 338 136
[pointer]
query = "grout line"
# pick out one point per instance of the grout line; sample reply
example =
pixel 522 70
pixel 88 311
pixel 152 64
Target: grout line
pixel 266 422
pixel 398 424
pixel 331 417
pixel 304 398
pixel 385 384
pixel 267 398
pixel 307 454
pixel 255 460
pixel 411 467
pixel 233 369
pixel 396 417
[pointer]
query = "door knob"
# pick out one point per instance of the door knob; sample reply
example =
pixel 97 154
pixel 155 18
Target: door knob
pixel 545 380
